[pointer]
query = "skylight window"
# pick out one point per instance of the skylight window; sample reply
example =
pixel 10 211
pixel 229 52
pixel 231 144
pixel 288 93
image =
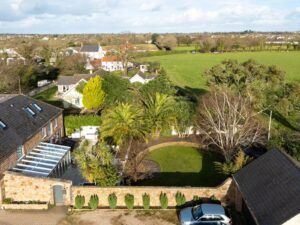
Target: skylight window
pixel 2 125
pixel 29 111
pixel 38 108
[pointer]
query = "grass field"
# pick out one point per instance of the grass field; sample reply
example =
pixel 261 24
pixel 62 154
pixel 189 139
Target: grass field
pixel 184 166
pixel 187 69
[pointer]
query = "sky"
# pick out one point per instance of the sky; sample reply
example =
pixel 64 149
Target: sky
pixel 115 16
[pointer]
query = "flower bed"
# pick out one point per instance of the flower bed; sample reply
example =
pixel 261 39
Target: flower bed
pixel 18 206
pixel 32 205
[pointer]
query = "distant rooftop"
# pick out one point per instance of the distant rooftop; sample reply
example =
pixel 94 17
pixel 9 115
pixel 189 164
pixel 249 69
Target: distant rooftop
pixel 89 48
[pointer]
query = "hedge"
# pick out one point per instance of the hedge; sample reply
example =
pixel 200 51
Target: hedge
pixel 72 122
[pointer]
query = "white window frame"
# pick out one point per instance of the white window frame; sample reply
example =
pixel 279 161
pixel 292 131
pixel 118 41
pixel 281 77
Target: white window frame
pixel 55 123
pixel 44 132
pixel 51 129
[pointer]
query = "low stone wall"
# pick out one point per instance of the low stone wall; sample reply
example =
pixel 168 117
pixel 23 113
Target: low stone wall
pixel 173 143
pixel 25 206
pixel 23 188
pixel 154 192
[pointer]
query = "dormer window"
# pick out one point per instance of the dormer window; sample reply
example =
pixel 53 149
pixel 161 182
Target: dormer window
pixel 29 111
pixel 37 107
pixel 2 125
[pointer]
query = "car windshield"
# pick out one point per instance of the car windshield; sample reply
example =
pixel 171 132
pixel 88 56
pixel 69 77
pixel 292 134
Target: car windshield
pixel 197 212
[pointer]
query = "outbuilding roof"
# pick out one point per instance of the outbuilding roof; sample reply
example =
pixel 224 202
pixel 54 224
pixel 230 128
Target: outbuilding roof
pixel 69 80
pixel 270 187
pixel 89 48
pixel 23 117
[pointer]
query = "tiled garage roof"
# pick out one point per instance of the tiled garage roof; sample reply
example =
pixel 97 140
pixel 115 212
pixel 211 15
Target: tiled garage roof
pixel 270 186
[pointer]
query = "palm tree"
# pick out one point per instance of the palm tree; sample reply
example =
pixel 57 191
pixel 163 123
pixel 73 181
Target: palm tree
pixel 96 164
pixel 124 124
pixel 159 113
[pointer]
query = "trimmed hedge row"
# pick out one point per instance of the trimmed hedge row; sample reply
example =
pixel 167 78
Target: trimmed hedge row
pixel 129 201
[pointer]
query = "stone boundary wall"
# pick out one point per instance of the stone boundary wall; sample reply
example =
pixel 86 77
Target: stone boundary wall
pixel 20 187
pixel 25 188
pixel 103 192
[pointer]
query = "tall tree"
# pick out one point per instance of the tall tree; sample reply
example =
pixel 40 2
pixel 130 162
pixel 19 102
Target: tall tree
pixel 159 113
pixel 117 89
pixel 228 123
pixel 96 164
pixel 184 115
pixel 124 123
pixel 93 95
pixel 168 42
pixel 161 84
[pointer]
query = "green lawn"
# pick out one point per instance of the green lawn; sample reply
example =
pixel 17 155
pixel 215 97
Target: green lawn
pixel 187 69
pixel 49 97
pixel 184 166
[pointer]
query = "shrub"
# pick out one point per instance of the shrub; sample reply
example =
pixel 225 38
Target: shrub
pixel 73 122
pixel 213 199
pixel 94 202
pixel 197 199
pixel 112 200
pixel 129 201
pixel 146 201
pixel 232 167
pixel 163 198
pixel 180 199
pixel 79 201
pixel 7 201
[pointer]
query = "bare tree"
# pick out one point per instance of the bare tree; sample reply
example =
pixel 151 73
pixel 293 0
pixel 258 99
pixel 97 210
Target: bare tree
pixel 228 123
pixel 168 42
pixel 125 55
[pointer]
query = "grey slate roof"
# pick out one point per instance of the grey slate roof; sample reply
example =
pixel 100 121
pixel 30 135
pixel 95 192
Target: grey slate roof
pixel 146 76
pixel 21 126
pixel 69 80
pixel 270 187
pixel 89 48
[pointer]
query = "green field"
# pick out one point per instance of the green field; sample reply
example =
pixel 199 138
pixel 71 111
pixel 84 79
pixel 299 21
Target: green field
pixel 187 69
pixel 184 166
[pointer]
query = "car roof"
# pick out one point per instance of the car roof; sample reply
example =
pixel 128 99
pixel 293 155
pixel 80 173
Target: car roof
pixel 212 209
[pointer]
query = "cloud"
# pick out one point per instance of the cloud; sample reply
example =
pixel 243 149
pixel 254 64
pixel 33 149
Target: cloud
pixel 79 16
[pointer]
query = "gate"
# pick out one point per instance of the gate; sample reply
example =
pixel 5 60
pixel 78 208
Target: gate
pixel 58 195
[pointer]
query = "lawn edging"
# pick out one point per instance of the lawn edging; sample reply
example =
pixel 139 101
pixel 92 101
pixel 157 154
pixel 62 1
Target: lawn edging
pixel 172 143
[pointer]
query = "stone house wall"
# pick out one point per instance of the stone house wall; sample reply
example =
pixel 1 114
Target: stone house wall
pixel 11 160
pixel 38 137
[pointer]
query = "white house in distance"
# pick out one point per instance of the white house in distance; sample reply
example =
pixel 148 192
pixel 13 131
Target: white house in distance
pixel 111 63
pixel 141 77
pixel 67 89
pixel 92 51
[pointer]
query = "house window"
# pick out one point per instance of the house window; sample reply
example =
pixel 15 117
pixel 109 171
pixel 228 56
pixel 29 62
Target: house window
pixel 44 131
pixel 29 111
pixel 49 129
pixel 2 125
pixel 55 123
pixel 77 101
pixel 20 152
pixel 37 107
